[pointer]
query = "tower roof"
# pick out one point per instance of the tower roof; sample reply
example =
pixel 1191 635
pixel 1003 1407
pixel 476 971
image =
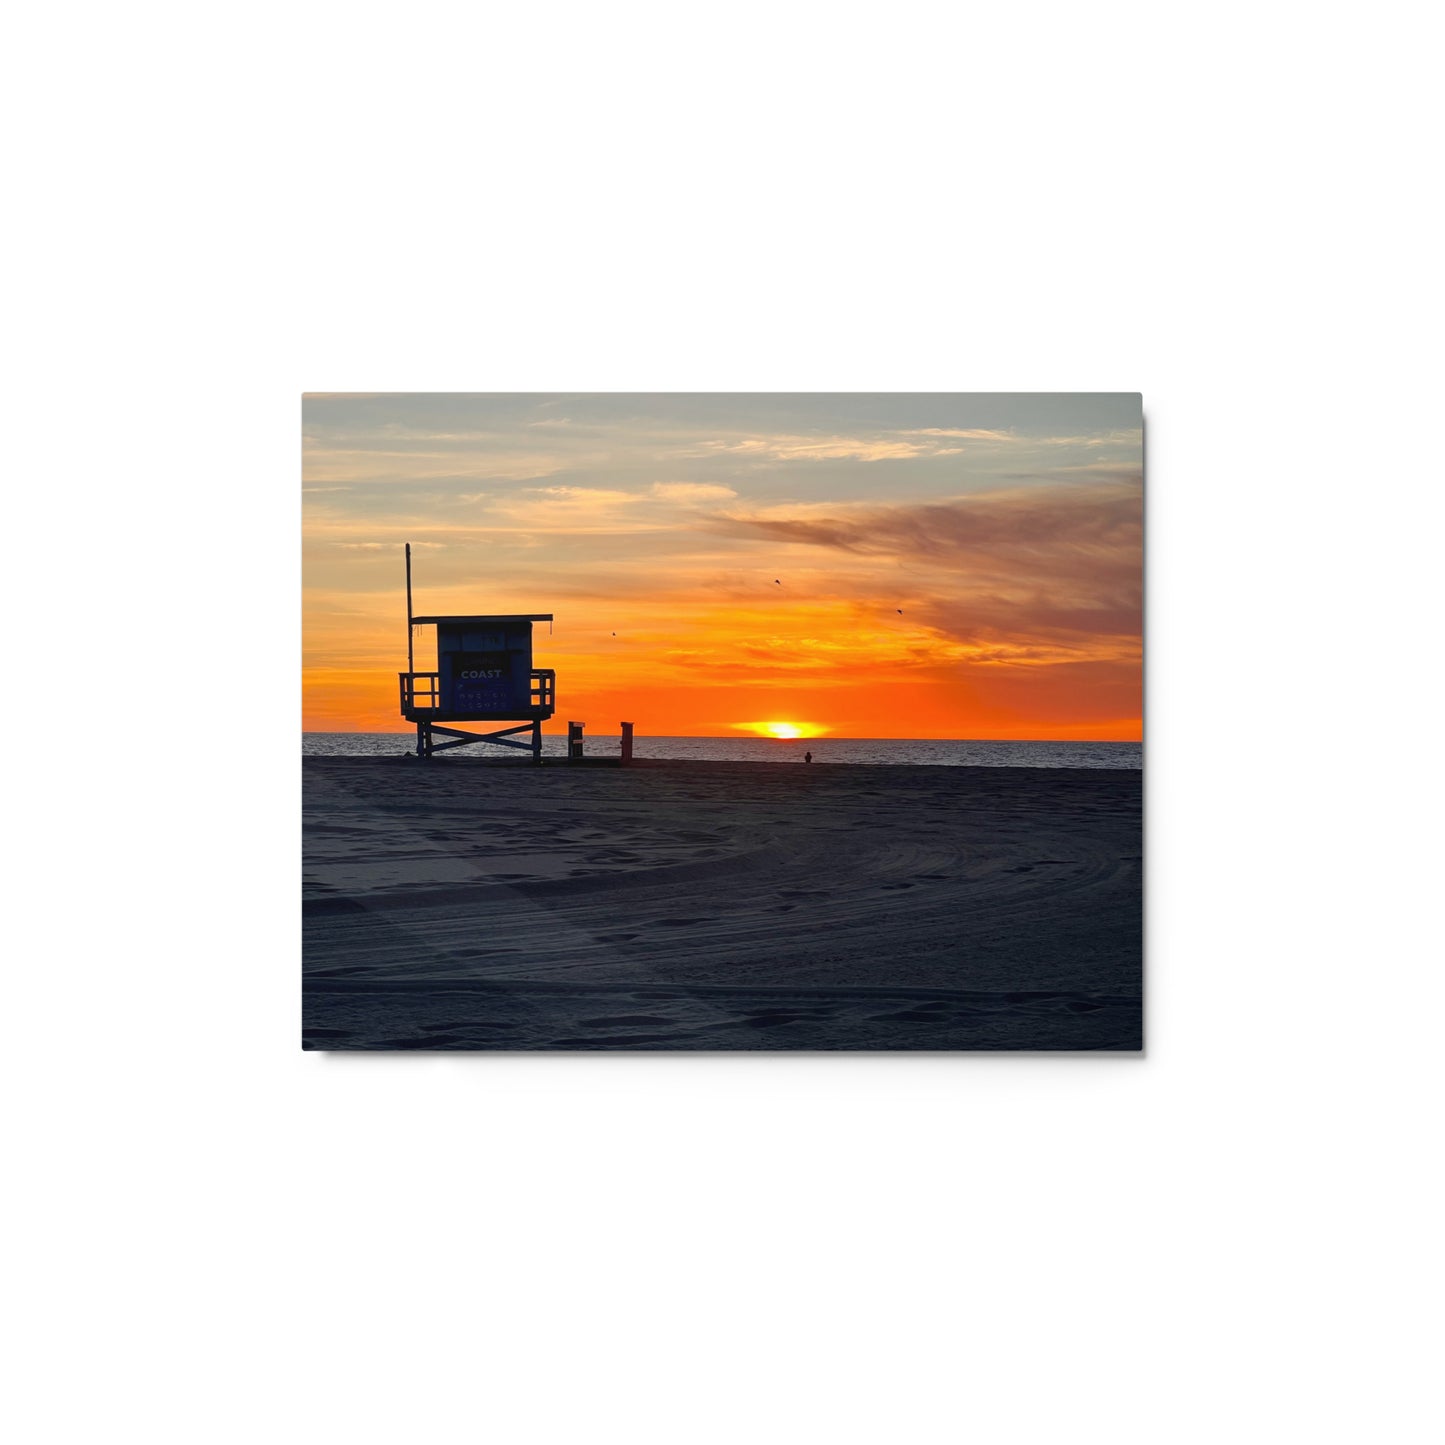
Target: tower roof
pixel 490 618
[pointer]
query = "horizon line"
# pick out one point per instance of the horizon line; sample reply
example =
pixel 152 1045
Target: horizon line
pixel 742 737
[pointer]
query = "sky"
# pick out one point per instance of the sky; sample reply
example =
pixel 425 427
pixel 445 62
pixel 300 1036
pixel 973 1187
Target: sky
pixel 865 565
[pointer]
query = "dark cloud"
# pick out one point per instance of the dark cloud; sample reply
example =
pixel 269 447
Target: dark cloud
pixel 1055 567
pixel 1031 522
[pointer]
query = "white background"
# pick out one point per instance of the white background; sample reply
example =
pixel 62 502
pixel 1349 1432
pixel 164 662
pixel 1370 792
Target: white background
pixel 214 1237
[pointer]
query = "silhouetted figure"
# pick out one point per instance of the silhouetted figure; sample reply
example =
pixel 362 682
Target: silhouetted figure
pixel 807 757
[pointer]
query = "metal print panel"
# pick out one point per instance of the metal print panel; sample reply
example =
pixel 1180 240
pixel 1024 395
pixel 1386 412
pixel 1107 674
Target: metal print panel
pixel 701 722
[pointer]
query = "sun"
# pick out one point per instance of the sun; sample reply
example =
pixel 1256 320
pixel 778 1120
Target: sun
pixel 783 731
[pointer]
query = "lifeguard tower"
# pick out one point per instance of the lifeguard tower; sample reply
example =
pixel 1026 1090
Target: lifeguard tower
pixel 484 673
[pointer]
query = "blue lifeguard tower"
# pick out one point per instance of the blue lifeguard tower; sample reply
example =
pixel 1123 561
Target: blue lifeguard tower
pixel 484 673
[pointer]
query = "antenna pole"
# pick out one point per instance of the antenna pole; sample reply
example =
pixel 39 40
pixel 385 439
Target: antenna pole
pixel 410 665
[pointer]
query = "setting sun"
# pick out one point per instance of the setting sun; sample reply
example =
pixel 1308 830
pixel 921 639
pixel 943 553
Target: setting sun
pixel 783 729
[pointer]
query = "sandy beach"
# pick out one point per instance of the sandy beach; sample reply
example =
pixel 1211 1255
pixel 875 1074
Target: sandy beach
pixel 465 905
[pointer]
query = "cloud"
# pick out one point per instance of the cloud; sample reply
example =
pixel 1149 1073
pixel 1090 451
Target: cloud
pixel 587 498
pixel 567 509
pixel 1124 474
pixel 814 449
pixel 976 434
pixel 1033 519
pixel 325 463
pixel 1130 438
pixel 1052 569
pixel 692 492
pixel 901 444
pixel 397 431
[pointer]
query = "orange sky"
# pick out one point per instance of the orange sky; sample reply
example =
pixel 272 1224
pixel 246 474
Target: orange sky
pixel 862 566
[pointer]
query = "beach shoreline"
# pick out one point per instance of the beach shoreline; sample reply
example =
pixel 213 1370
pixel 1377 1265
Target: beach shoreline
pixel 491 904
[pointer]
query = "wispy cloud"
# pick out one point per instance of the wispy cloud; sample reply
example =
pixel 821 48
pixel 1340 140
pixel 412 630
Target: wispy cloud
pixel 572 509
pixel 358 465
pixel 589 498
pixel 976 434
pixel 692 492
pixel 899 444
pixel 1036 518
pixel 396 431
pixel 815 449
pixel 1048 572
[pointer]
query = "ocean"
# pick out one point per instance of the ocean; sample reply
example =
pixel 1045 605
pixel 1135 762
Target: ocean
pixel 929 752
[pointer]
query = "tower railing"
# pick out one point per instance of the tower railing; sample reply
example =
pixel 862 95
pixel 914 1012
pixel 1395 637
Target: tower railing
pixel 421 691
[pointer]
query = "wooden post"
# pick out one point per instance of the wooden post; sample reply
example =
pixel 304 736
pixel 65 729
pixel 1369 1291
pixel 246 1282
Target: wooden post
pixel 574 740
pixel 626 742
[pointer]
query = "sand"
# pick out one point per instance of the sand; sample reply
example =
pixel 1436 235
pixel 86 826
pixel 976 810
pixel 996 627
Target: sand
pixel 464 905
